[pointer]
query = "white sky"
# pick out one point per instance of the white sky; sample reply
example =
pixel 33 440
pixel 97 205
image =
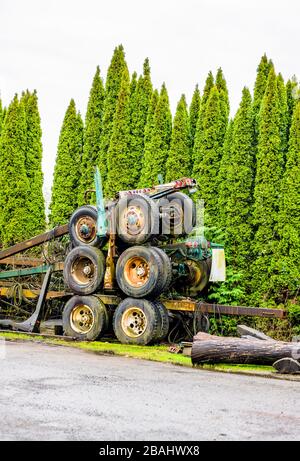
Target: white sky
pixel 54 46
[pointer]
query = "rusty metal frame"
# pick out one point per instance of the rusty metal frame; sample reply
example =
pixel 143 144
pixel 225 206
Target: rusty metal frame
pixel 35 241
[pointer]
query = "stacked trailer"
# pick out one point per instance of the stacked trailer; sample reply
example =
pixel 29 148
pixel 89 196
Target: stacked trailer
pixel 132 268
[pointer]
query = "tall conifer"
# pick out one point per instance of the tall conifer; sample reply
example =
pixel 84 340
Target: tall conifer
pixel 14 184
pixel 66 179
pixel 207 156
pixel 92 137
pixel 158 144
pixel 289 218
pixel 179 159
pixel 240 180
pixel 194 114
pixel 138 118
pixel 119 174
pixel 112 88
pixel 269 170
pixel 33 164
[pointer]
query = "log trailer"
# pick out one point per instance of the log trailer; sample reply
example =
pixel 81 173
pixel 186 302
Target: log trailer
pixel 131 267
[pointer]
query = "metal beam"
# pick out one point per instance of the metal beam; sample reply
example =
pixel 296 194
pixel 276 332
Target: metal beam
pixel 190 305
pixel 31 271
pixel 35 241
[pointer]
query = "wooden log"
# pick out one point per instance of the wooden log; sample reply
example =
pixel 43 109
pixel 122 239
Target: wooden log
pixel 217 349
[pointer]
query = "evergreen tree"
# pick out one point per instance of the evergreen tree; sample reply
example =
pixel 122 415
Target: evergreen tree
pixel 158 143
pixel 289 218
pixel 240 181
pixel 33 164
pixel 119 162
pixel 207 151
pixel 14 185
pixel 1 116
pixel 224 102
pixel 140 101
pixel 179 160
pixel 112 88
pixel 283 108
pixel 92 137
pixel 194 114
pixel 267 187
pixel 260 85
pixel 67 168
pixel 209 84
pixel 222 179
pixel 147 134
pixel 292 96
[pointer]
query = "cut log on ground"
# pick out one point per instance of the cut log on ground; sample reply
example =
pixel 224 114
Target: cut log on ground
pixel 216 349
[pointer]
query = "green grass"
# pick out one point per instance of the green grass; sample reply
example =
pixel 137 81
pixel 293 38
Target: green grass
pixel 153 353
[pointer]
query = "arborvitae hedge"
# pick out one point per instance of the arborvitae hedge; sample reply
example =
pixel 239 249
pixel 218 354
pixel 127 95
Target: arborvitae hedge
pixel 14 184
pixel 207 156
pixel 239 193
pixel 92 137
pixel 112 87
pixel 269 170
pixel 119 174
pixel 158 143
pixel 140 100
pixel 33 165
pixel 194 114
pixel 67 168
pixel 179 159
pixel 288 254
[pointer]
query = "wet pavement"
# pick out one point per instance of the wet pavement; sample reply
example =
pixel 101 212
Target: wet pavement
pixel 59 393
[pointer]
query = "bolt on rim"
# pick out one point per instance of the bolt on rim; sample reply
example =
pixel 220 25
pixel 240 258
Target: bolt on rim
pixel 82 319
pixel 134 322
pixel 137 271
pixel 83 270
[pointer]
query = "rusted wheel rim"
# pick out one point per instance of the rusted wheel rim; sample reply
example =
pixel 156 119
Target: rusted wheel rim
pixel 83 270
pixel 134 322
pixel 86 229
pixel 82 319
pixel 134 219
pixel 136 271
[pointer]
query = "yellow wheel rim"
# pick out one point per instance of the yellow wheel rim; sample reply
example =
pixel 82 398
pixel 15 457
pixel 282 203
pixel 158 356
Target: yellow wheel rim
pixel 134 322
pixel 82 319
pixel 136 271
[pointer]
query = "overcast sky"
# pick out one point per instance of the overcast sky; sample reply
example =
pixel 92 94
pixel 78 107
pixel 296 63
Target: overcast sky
pixel 54 46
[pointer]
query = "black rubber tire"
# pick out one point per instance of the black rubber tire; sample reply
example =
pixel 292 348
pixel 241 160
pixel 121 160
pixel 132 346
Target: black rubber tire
pixel 167 267
pixel 81 283
pixel 100 317
pixel 153 321
pixel 150 211
pixel 89 212
pixel 188 210
pixel 155 283
pixel 164 320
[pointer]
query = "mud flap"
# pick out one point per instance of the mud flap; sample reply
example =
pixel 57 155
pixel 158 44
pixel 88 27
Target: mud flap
pixel 218 266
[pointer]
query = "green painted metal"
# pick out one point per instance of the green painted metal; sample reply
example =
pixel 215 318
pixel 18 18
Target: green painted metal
pixel 23 272
pixel 101 221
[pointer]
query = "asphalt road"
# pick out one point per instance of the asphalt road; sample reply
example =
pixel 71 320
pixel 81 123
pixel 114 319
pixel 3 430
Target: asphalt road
pixel 57 393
